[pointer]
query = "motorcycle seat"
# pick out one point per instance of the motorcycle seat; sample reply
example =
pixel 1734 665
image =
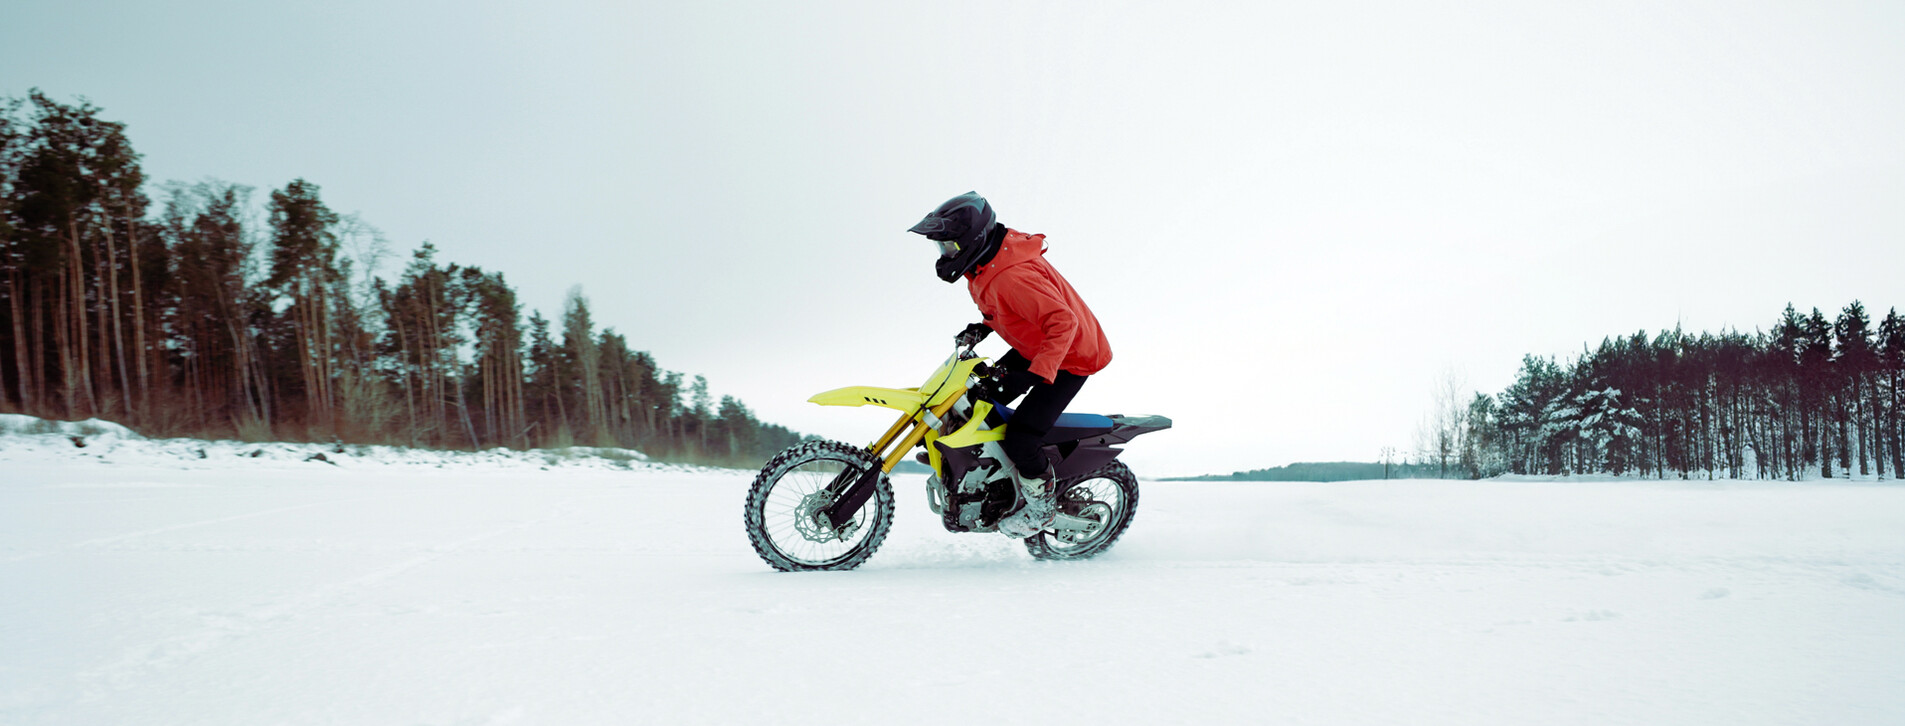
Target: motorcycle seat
pixel 1070 426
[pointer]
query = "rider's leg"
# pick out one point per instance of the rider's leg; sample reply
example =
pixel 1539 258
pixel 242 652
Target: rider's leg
pixel 1033 419
pixel 1023 445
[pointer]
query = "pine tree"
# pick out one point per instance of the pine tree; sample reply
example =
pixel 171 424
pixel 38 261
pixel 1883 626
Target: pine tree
pixel 1481 450
pixel 210 307
pixel 13 134
pixel 1855 359
pixel 304 271
pixel 54 202
pixel 1520 409
pixel 121 211
pixel 543 387
pixel 1608 429
pixel 424 311
pixel 1816 373
pixel 1732 372
pixel 1783 363
pixel 498 356
pixel 698 417
pixel 1891 356
pixel 579 344
pixel 738 430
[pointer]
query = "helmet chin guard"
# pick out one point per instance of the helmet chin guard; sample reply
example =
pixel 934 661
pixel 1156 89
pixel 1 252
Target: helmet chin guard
pixel 959 226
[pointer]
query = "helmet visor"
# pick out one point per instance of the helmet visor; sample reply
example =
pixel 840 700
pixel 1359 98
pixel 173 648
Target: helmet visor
pixel 947 248
pixel 935 227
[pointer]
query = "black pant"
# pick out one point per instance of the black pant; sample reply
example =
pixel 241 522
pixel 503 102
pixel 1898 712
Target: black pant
pixel 1033 418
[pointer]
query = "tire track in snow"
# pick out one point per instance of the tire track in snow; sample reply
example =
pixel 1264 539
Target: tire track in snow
pixel 320 594
pixel 144 660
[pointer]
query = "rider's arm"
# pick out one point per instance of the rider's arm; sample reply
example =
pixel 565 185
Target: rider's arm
pixel 1032 296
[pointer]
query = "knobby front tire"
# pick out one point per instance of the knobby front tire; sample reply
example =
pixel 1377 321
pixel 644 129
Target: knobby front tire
pixel 789 491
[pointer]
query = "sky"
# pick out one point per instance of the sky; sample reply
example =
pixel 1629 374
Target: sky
pixel 1292 220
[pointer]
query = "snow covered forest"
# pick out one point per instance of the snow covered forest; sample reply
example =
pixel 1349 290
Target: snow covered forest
pixel 186 316
pixel 1812 397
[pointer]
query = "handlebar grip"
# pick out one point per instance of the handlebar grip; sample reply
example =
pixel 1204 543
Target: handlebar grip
pixel 990 372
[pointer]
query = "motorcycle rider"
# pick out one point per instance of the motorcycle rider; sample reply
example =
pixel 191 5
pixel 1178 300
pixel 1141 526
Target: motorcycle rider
pixel 1056 341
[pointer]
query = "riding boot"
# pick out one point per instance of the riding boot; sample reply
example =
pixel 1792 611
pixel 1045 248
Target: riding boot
pixel 1041 504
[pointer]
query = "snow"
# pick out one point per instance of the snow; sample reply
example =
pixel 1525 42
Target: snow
pixel 142 584
pixel 26 438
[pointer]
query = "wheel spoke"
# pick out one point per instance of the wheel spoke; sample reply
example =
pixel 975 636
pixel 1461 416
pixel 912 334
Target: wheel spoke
pixel 1106 496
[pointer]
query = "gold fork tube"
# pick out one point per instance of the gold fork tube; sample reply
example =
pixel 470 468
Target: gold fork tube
pixel 887 438
pixel 913 439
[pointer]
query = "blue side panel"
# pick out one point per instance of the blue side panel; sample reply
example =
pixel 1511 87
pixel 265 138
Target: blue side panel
pixel 1071 420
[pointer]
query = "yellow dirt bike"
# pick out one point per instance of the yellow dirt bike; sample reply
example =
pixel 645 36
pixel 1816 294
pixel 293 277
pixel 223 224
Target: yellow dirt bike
pixel 826 505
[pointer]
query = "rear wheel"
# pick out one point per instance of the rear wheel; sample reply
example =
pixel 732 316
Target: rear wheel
pixel 1108 496
pixel 784 516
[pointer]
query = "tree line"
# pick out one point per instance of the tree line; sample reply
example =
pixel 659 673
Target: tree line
pixel 1323 471
pixel 1813 396
pixel 187 315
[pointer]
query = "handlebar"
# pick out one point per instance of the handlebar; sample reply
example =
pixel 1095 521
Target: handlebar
pixel 990 372
pixel 972 335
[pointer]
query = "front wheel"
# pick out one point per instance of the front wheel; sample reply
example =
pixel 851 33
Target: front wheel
pixel 1108 496
pixel 784 516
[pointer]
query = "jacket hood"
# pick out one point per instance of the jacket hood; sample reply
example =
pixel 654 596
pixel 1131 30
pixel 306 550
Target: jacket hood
pixel 1017 247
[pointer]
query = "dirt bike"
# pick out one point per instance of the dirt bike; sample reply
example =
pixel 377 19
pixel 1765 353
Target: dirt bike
pixel 826 505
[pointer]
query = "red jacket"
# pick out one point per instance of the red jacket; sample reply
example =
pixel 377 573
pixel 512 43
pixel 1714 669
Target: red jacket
pixel 1035 310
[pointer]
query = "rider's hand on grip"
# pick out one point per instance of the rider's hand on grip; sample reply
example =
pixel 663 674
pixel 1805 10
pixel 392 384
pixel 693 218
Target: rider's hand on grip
pixel 1013 383
pixel 990 377
pixel 972 335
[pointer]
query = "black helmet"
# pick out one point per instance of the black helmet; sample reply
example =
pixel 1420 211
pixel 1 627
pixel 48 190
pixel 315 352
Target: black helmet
pixel 960 227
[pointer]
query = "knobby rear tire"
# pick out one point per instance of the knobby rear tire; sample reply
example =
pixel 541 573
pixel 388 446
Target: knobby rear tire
pixel 1047 546
pixel 876 516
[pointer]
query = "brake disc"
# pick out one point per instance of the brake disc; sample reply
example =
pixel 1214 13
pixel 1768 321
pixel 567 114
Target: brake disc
pixel 810 520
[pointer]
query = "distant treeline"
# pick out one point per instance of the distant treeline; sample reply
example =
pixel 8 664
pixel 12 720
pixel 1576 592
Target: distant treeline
pixel 196 319
pixel 1322 471
pixel 1813 396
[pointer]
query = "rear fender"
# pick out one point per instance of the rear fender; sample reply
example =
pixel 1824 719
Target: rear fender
pixel 1081 459
pixel 1126 428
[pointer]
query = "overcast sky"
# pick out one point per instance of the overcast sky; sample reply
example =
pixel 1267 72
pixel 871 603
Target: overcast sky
pixel 1291 219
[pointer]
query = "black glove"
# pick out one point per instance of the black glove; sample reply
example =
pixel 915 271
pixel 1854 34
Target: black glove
pixel 1014 383
pixel 972 335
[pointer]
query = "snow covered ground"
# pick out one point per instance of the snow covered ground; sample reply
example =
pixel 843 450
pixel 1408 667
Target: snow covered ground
pixel 142 584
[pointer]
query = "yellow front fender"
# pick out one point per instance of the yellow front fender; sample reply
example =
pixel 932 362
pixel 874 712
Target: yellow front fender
pixel 899 399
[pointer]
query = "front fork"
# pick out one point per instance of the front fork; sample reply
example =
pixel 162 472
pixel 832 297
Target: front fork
pixel 900 438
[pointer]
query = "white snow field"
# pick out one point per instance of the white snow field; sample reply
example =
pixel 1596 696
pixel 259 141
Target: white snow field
pixel 141 584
